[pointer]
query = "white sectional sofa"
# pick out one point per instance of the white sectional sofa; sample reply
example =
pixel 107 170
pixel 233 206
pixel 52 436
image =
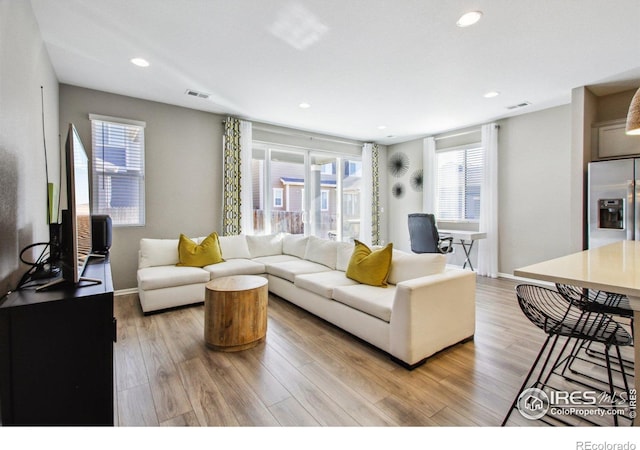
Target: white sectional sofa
pixel 425 308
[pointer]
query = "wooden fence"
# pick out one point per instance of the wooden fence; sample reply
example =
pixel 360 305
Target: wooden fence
pixel 281 222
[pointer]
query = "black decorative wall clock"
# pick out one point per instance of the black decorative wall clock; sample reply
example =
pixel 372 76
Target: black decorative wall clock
pixel 398 164
pixel 398 190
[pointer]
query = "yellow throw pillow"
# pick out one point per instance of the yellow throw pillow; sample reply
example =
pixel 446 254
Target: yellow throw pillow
pixel 370 267
pixel 194 255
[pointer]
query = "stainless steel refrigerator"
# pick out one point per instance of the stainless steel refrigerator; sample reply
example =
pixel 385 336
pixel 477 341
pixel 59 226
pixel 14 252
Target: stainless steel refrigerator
pixel 614 196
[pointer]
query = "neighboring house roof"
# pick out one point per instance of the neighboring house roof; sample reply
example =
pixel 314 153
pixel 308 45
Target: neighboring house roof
pixel 292 180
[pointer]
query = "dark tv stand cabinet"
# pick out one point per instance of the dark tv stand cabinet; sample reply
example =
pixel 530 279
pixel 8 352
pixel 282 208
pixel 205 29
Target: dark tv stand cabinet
pixel 56 353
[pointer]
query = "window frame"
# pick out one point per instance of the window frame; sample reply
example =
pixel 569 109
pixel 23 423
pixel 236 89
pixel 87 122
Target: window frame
pixel 263 189
pixel 464 185
pixel 324 196
pixel 137 172
pixel 280 196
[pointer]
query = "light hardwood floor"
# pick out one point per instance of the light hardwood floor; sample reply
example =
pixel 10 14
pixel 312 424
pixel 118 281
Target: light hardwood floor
pixel 310 373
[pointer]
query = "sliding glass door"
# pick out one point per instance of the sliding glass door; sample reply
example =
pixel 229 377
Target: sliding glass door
pixel 278 191
pixel 306 192
pixel 351 188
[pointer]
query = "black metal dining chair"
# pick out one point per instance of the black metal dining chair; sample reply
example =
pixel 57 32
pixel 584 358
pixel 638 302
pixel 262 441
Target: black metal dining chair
pixel 597 301
pixel 548 310
pixel 593 300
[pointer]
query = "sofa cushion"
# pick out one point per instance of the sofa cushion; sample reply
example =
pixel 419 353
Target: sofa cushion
pixel 274 259
pixel 264 245
pixel 158 252
pixel 159 277
pixel 321 251
pixel 370 267
pixel 344 251
pixel 294 245
pixel 236 266
pixel 289 269
pixel 322 283
pixel 234 247
pixel 407 266
pixel 371 300
pixel 199 255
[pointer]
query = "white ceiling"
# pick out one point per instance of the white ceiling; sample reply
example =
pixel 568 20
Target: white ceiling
pixel 403 64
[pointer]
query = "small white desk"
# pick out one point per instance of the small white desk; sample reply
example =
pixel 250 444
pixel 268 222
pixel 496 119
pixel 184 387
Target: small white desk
pixel 612 268
pixel 465 239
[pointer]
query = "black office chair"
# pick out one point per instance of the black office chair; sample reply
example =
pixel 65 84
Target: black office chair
pixel 424 236
pixel 549 311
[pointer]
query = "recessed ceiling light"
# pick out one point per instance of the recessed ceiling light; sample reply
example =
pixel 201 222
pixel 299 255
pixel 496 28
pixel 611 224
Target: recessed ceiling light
pixel 469 19
pixel 140 62
pixel 491 94
pixel 382 127
pixel 304 105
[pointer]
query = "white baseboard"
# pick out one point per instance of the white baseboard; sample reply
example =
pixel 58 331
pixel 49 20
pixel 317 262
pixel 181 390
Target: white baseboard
pixel 525 280
pixel 125 292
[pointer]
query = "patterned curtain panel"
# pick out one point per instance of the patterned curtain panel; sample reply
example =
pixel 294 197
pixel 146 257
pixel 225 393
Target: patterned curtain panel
pixel 370 204
pixel 231 178
pixel 375 195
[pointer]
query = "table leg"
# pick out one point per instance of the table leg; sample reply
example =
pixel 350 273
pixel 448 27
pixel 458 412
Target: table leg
pixel 467 253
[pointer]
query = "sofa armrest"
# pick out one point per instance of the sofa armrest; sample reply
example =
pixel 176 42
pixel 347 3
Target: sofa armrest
pixel 431 313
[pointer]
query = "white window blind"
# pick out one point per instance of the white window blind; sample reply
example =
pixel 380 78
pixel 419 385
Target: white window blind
pixel 118 169
pixel 459 176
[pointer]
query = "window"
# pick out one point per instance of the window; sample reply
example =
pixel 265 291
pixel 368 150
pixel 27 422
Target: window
pixel 303 191
pixel 353 168
pixel 324 200
pixel 328 169
pixel 458 180
pixel 277 197
pixel 118 169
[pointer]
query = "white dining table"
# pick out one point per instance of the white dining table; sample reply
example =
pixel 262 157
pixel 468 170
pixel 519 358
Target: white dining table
pixel 611 268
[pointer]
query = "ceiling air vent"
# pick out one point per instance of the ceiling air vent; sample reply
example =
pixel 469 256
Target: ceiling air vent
pixel 519 105
pixel 193 93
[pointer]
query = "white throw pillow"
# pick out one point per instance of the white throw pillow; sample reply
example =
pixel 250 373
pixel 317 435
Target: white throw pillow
pixel 234 247
pixel 294 245
pixel 321 251
pixel 406 266
pixel 344 253
pixel 158 252
pixel 265 245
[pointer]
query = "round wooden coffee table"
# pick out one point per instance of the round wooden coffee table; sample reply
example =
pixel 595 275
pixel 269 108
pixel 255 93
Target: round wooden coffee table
pixel 235 312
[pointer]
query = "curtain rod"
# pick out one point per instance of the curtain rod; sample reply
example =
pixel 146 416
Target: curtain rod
pixel 307 136
pixel 302 135
pixel 301 147
pixel 462 133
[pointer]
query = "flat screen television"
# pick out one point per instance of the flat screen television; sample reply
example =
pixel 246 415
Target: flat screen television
pixel 76 240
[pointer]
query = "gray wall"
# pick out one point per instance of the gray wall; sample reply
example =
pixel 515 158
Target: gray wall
pixel 535 206
pixel 535 192
pixel 24 68
pixel 410 202
pixel 183 157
